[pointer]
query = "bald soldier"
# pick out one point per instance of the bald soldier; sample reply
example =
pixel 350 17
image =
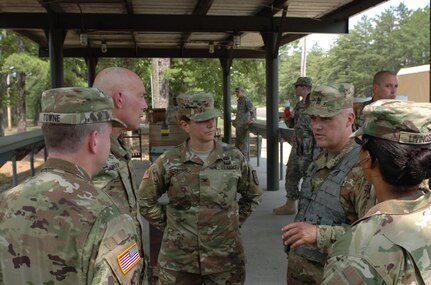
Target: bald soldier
pixel 117 177
pixel 385 85
pixel 203 179
pixel 56 227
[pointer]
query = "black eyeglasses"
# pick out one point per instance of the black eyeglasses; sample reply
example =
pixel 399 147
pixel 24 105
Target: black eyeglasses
pixel 360 141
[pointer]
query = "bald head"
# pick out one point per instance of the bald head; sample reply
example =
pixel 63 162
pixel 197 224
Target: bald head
pixel 127 91
pixel 114 79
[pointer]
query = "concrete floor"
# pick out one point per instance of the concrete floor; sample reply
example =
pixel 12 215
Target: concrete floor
pixel 261 234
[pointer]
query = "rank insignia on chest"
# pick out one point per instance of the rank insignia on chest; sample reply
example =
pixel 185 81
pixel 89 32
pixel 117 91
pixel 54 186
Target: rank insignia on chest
pixel 227 160
pixel 128 258
pixel 113 166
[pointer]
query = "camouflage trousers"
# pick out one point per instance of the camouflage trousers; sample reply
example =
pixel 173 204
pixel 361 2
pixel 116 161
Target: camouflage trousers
pixel 297 166
pixel 303 271
pixel 293 176
pixel 241 141
pixel 170 277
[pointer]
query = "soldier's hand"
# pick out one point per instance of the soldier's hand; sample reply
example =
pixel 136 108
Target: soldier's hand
pixel 299 233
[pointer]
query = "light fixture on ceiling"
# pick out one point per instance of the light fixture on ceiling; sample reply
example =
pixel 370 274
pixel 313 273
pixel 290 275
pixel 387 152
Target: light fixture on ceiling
pixel 104 47
pixel 236 40
pixel 211 47
pixel 83 38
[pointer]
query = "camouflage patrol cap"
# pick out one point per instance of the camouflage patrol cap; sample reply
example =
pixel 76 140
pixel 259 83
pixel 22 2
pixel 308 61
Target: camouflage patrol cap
pixel 237 89
pixel 306 81
pixel 329 100
pixel 197 106
pixel 77 105
pixel 404 122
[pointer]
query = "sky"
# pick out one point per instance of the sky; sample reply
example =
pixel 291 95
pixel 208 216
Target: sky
pixel 326 40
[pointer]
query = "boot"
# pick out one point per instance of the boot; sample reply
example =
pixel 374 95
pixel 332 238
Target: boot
pixel 290 208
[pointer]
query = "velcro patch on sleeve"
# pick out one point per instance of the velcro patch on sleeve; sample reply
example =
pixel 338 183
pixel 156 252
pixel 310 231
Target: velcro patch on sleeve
pixel 128 258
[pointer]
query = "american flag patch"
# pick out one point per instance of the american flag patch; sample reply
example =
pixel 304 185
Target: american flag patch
pixel 128 258
pixel 146 175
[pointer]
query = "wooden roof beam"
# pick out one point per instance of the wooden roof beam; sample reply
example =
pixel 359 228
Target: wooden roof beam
pixel 171 23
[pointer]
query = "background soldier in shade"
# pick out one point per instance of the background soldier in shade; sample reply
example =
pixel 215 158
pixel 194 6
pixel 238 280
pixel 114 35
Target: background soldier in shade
pixel 303 148
pixel 56 227
pixel 385 85
pixel 334 193
pixel 117 177
pixel 391 244
pixel 245 115
pixel 202 178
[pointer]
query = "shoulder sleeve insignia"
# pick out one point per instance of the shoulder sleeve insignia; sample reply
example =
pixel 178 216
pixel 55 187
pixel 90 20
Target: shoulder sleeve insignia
pixel 128 258
pixel 146 175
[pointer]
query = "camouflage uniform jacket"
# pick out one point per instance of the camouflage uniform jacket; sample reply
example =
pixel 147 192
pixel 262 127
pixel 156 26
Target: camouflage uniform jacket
pixel 57 228
pixel 390 245
pixel 303 143
pixel 117 179
pixel 202 219
pixel 245 112
pixel 359 117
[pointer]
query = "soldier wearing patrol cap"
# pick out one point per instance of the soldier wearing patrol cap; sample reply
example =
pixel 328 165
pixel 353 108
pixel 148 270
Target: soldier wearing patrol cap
pixel 303 149
pixel 56 227
pixel 334 193
pixel 201 240
pixel 245 115
pixel 391 244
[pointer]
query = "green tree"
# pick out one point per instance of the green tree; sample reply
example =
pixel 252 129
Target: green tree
pixel 289 71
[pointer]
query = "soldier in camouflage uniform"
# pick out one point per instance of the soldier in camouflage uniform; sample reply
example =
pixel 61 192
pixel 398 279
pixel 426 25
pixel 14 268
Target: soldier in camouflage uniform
pixel 245 115
pixel 385 85
pixel 303 148
pixel 117 177
pixel 334 193
pixel 56 227
pixel 391 244
pixel 201 222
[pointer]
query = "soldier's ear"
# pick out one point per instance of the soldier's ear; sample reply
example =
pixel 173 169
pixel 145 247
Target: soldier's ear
pixel 93 141
pixel 118 99
pixel 185 126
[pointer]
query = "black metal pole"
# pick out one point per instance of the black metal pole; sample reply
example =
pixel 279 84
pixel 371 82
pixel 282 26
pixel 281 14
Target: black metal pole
pixel 56 39
pixel 271 56
pixel 226 63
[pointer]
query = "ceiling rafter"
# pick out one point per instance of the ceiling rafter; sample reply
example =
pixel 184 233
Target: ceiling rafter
pixel 130 11
pixel 273 9
pixel 170 28
pixel 51 6
pixel 343 12
pixel 201 9
pixel 269 11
